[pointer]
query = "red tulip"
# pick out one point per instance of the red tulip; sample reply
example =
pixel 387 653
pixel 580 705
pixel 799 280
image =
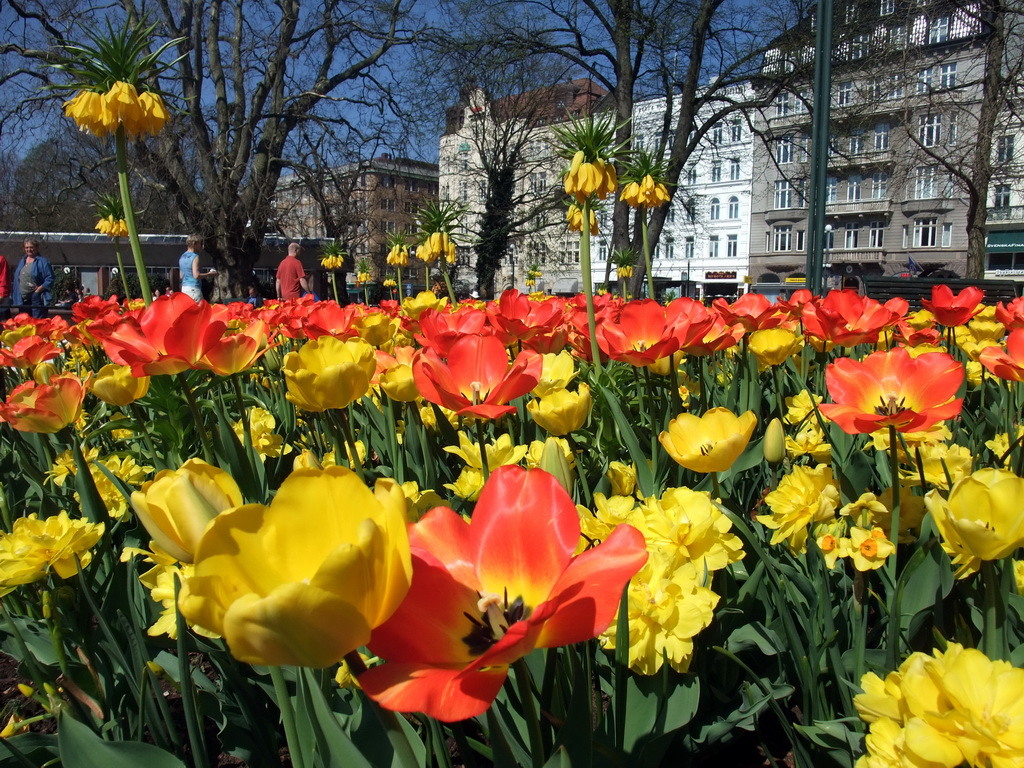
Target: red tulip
pixel 751 310
pixel 642 334
pixel 487 592
pixel 893 388
pixel 1011 315
pixel 1008 364
pixel 476 378
pixel 848 319
pixel 171 335
pixel 953 310
pixel 538 325
pixel 28 352
pixel 439 330
pixel 46 408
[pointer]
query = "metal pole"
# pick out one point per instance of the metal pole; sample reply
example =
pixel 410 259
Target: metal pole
pixel 819 144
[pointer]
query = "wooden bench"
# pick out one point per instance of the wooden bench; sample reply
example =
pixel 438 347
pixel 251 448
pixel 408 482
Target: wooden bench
pixel 913 289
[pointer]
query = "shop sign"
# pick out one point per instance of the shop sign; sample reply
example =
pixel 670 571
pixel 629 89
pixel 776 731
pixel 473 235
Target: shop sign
pixel 719 275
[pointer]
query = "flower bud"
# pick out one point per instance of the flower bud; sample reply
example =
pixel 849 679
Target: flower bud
pixel 553 461
pixel 774 443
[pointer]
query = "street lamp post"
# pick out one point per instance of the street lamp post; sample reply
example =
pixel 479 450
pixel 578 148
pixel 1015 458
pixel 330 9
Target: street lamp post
pixel 819 144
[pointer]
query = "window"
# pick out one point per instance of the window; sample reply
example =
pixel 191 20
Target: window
pixel 783 238
pixel 951 131
pixel 691 176
pixel 860 46
pixel 881 137
pixel 388 182
pixel 829 241
pixel 924 233
pixel 732 246
pixel 947 234
pixel 783 104
pixel 879 185
pixel 783 194
pixel 389 226
pixel 831 189
pixel 387 205
pixel 924 79
pixel 713 246
pixel 898 37
pixel 876 232
pixel 857 143
pixel 906 236
pixel 688 248
pixel 886 7
pixel 929 130
pixel 845 94
pixel 853 186
pixel 409 207
pixel 947 76
pixel 1004 149
pixel 734 207
pixel 670 249
pixel 938 30
pixel 716 134
pixel 671 214
pixel 735 130
pixel 800 240
pixel 734 169
pixel 896 91
pixel 876 88
pixel 926 182
pixel 538 182
pixel 784 150
pixel 851 13
pixel 1001 196
pixel 716 170
pixel 716 209
pixel 852 236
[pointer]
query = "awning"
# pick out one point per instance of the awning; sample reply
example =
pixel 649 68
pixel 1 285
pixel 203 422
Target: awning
pixel 1005 242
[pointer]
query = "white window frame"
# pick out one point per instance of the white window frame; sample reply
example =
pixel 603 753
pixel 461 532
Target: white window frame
pixel 732 246
pixel 925 231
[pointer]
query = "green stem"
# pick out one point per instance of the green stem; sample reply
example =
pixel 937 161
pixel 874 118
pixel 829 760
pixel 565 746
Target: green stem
pixel 399 271
pixel 993 639
pixel 120 266
pixel 121 147
pixel 860 625
pixel 894 534
pixel 140 427
pixel 193 406
pixel 350 439
pixel 447 280
pixel 188 695
pixel 647 254
pixel 483 448
pixel 525 686
pixel 588 287
pixel 334 286
pixel 284 703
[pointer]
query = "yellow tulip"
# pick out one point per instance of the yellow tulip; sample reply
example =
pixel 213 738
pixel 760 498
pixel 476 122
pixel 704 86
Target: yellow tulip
pixel 329 373
pixel 774 443
pixel 774 346
pixel 563 411
pixel 559 370
pixel 414 306
pixel 115 385
pixel 981 520
pixel 177 505
pixel 399 384
pixel 304 580
pixel 708 443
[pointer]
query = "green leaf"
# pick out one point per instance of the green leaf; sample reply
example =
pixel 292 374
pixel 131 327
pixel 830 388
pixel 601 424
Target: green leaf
pixel 644 475
pixel 81 748
pixel 559 760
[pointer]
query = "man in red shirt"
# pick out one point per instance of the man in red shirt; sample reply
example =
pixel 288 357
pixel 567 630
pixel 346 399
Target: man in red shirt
pixel 291 277
pixel 6 288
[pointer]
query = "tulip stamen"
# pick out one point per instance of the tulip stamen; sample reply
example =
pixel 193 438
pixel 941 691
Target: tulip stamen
pixel 706 449
pixel 496 616
pixel 475 387
pixel 890 406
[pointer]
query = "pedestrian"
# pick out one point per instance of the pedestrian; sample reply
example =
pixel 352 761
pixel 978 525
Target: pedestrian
pixel 188 264
pixel 6 289
pixel 255 299
pixel 291 279
pixel 33 279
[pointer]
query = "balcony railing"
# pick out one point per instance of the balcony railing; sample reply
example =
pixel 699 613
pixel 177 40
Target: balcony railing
pixel 1007 213
pixel 858 255
pixel 854 207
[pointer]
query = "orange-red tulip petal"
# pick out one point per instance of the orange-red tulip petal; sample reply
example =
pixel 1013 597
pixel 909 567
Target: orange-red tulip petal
pixel 487 592
pixel 893 389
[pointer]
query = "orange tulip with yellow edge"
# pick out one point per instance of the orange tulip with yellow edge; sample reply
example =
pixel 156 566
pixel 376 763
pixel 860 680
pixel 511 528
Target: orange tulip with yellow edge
pixel 45 408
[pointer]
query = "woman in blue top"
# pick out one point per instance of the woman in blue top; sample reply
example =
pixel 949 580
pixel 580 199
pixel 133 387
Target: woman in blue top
pixel 33 279
pixel 188 263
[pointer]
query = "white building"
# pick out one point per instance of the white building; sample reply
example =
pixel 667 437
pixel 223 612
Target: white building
pixel 704 245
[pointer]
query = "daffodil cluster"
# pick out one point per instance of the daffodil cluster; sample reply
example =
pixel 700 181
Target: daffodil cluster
pixel 950 708
pixel 669 600
pixel 36 547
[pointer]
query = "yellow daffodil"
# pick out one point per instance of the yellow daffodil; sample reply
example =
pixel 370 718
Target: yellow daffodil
pixel 622 477
pixel 708 443
pixel 178 505
pixel 691 526
pixel 304 580
pixel 802 498
pixel 35 547
pixel 869 549
pixel 981 520
pixel 328 373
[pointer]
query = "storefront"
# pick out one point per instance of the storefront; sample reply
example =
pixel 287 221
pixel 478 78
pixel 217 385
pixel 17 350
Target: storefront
pixel 1005 255
pixel 725 283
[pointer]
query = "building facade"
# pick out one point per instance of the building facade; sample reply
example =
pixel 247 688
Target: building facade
pixel 368 201
pixel 906 89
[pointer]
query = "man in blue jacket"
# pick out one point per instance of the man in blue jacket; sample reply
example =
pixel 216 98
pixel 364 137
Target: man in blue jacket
pixel 33 280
